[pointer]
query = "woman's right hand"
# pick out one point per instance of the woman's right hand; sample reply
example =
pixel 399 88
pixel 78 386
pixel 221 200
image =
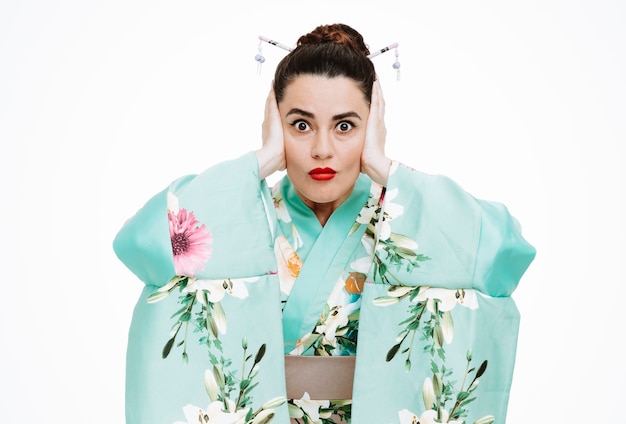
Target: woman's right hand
pixel 271 156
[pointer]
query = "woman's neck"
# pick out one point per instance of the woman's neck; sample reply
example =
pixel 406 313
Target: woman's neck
pixel 322 211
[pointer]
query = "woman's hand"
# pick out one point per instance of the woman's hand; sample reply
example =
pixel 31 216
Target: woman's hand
pixel 374 162
pixel 271 156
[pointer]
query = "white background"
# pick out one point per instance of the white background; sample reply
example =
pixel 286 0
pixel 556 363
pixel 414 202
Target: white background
pixel 102 103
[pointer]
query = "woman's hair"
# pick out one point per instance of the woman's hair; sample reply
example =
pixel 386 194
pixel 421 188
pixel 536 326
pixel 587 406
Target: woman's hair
pixel 331 51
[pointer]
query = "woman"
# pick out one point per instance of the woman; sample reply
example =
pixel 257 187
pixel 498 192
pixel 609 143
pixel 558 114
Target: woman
pixel 348 242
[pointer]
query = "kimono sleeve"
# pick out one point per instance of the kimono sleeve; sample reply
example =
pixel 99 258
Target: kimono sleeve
pixel 220 214
pixel 502 254
pixel 468 256
pixel 468 242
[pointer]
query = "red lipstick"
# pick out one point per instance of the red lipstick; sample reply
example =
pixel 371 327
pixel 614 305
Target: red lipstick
pixel 322 174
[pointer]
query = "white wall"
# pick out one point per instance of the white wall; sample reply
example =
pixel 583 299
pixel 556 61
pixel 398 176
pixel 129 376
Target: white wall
pixel 102 103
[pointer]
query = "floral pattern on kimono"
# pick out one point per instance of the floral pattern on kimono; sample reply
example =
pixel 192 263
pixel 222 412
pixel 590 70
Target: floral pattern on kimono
pixel 403 299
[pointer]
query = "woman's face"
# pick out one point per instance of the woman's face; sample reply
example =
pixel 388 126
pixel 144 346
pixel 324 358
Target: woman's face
pixel 324 122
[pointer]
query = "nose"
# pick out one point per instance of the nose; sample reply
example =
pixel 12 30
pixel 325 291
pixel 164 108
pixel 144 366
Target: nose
pixel 323 147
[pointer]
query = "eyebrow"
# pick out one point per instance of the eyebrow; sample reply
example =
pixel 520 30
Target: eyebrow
pixel 297 111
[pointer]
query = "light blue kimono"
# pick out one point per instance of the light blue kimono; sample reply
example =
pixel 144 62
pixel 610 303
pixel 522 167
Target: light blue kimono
pixel 238 275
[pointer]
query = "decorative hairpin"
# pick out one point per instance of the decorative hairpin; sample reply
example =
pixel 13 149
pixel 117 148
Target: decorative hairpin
pixel 396 64
pixel 260 58
pixel 383 50
pixel 275 43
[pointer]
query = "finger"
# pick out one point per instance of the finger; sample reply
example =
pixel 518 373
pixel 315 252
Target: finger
pixel 377 96
pixel 374 101
pixel 272 105
pixel 270 100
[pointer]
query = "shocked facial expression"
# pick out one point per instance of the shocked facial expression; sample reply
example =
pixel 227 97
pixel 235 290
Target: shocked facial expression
pixel 324 121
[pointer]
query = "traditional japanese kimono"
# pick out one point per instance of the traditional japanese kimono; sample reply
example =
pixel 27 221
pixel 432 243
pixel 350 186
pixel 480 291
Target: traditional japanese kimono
pixel 414 279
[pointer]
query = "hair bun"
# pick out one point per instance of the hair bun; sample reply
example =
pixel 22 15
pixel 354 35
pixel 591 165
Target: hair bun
pixel 338 34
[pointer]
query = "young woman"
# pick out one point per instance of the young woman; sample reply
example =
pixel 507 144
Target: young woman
pixel 258 300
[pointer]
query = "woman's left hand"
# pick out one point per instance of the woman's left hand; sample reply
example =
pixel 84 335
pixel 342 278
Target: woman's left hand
pixel 271 156
pixel 374 162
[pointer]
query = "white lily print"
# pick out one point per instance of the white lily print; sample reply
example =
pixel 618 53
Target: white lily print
pixel 288 262
pixel 279 205
pixel 214 414
pixel 369 210
pixel 391 211
pixel 332 324
pixel 430 417
pixel 427 417
pixel 336 318
pixel 407 417
pixel 217 289
pixel 312 407
pixel 283 215
pixel 448 298
pixel 368 214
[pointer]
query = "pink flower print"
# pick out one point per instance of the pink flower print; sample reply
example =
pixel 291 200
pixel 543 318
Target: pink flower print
pixel 190 242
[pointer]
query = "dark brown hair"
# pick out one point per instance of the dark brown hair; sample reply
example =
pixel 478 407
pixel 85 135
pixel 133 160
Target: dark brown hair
pixel 331 51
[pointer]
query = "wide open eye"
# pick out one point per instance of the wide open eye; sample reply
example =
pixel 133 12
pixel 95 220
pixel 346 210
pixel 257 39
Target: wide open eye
pixel 344 126
pixel 301 125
